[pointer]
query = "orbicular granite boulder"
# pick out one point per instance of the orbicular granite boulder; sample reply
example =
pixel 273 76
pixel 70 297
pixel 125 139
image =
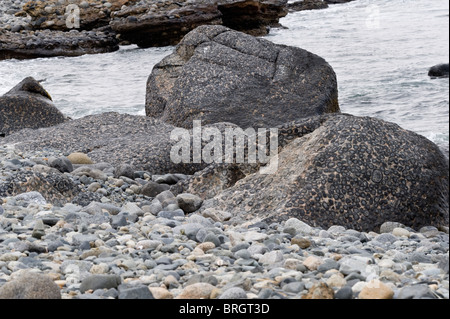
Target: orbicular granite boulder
pixel 439 71
pixel 336 170
pixel 149 23
pixel 27 105
pixel 139 141
pixel 220 75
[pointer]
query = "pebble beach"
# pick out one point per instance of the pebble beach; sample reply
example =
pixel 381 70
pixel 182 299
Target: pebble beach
pixel 126 233
pixel 126 245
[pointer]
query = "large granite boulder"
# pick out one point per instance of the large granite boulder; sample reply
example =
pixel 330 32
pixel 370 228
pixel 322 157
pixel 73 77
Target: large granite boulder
pixel 219 75
pixel 307 5
pixel 27 105
pixel 90 14
pixel 165 24
pixel 357 172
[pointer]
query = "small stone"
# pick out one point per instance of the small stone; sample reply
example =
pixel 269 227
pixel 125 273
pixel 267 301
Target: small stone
pixel 95 282
pixel 80 158
pixel 303 243
pixel 388 227
pixel 140 292
pixel 39 229
pixel 234 293
pixel 415 292
pixel 217 215
pixel 189 203
pixel 152 189
pixel 160 293
pixel 30 285
pixel 336 281
pixel 345 292
pixel 206 246
pixel 124 170
pixel 294 287
pixel 62 164
pixel 199 290
pixel 312 262
pixel 299 226
pixel 271 258
pixel 31 198
pixel 319 291
pixel 375 289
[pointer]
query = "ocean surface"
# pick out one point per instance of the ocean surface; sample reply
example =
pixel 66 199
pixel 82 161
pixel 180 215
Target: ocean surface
pixel 381 52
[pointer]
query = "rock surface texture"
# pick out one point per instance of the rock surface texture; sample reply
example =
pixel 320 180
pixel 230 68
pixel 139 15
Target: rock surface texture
pixel 439 71
pixel 350 171
pixel 220 75
pixel 27 105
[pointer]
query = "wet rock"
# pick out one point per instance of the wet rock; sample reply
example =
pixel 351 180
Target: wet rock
pixel 94 282
pixel 346 173
pixel 439 71
pixel 27 105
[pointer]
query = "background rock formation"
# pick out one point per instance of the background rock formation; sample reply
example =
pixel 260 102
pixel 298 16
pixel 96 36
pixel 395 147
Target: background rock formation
pixel 349 171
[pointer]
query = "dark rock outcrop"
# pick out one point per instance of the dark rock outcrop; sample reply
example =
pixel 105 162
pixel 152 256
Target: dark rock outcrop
pixel 150 23
pixel 27 105
pixel 349 171
pixel 220 75
pixel 252 17
pixel 337 1
pixel 44 44
pixel 168 22
pixel 139 141
pixel 439 71
pixel 307 5
pixel 54 14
